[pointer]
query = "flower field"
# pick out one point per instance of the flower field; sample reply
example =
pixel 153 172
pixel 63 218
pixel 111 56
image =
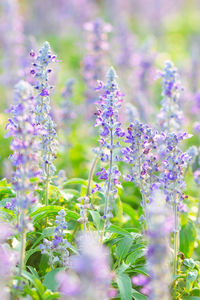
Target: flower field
pixel 100 149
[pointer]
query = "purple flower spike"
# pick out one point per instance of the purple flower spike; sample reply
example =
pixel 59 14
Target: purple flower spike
pixel 109 126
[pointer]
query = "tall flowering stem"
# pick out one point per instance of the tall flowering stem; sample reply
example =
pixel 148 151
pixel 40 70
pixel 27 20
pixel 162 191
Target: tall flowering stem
pixel 108 121
pixel 22 127
pixel 93 63
pixel 48 146
pixel 140 155
pixel 170 119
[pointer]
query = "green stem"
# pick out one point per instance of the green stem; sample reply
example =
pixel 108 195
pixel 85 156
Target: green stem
pixel 23 246
pixel 47 187
pixel 176 237
pixel 88 189
pixel 109 174
pixel 108 186
pixel 91 175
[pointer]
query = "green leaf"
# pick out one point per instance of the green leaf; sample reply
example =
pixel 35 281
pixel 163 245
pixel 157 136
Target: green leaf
pixel 191 298
pixel 187 238
pixel 190 279
pixel 6 190
pixel 125 286
pixel 50 279
pixel 135 255
pixel 123 247
pixel 141 270
pixel 31 252
pixel 130 212
pixel 76 181
pixel 53 296
pixel 43 212
pixel 69 194
pixel 117 229
pixel 96 218
pixel 138 296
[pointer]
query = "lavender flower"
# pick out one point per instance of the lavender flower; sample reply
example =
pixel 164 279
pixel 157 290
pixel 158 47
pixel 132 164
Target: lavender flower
pixel 93 63
pixel 58 245
pixel 25 157
pixel 140 154
pixel 41 72
pixel 90 276
pixel 12 42
pixel 158 254
pixel 23 129
pixel 170 115
pixel 110 131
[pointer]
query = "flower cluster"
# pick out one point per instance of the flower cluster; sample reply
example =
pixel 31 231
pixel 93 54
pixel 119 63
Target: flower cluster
pixel 173 163
pixel 140 154
pixel 110 131
pixel 93 62
pixel 41 72
pixel 23 129
pixel 58 245
pixel 156 160
pixel 89 276
pixel 170 115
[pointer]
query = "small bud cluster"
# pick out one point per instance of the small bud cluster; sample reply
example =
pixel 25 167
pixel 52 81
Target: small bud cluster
pixel 57 248
pixel 170 116
pixel 83 209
